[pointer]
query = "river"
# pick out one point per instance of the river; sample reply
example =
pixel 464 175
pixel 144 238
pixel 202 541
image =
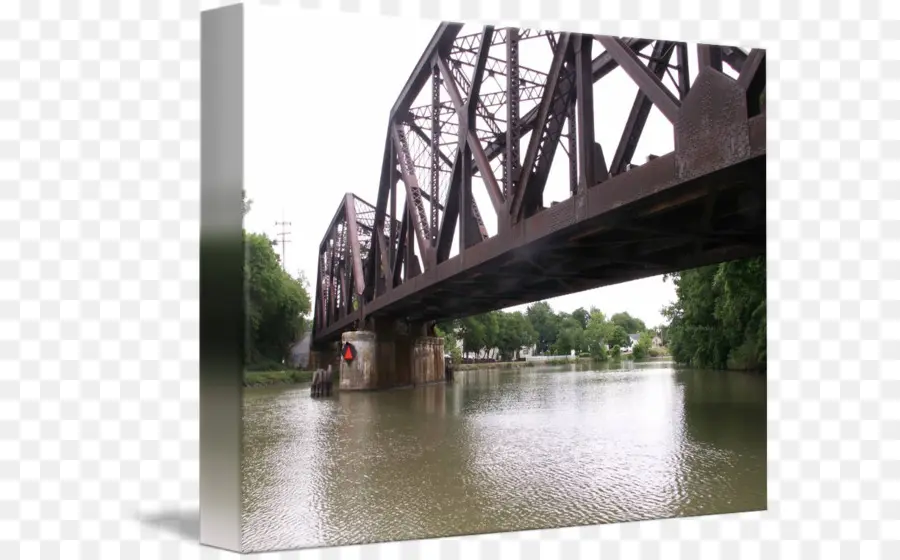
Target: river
pixel 501 450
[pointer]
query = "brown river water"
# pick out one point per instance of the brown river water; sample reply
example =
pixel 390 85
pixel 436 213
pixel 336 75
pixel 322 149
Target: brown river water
pixel 501 450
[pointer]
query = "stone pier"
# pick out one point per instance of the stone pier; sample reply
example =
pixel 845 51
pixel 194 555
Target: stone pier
pixel 387 358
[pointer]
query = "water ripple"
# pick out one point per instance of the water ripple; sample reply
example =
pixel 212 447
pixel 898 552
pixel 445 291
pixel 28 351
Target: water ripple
pixel 499 451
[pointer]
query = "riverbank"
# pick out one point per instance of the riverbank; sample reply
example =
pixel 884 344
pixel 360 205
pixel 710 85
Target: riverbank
pixel 271 378
pixel 532 364
pixel 517 365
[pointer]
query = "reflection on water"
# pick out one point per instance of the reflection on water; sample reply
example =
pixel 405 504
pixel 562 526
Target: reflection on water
pixel 501 450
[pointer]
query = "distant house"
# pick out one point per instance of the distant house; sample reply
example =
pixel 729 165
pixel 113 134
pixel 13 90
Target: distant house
pixel 633 339
pixel 657 341
pixel 299 353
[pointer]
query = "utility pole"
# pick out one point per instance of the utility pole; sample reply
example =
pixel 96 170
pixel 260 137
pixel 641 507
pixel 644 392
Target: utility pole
pixel 283 235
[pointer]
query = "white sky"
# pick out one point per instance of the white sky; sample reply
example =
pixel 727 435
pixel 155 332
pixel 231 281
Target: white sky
pixel 316 109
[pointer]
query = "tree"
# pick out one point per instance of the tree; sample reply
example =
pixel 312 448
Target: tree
pixel 514 332
pixel 473 334
pixel 570 337
pixel 617 336
pixel 719 317
pixel 615 352
pixel 632 325
pixel 582 316
pixel 595 335
pixel 277 303
pixel 450 341
pixel 545 323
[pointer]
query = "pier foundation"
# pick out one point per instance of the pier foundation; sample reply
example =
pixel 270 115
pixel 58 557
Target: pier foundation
pixel 391 357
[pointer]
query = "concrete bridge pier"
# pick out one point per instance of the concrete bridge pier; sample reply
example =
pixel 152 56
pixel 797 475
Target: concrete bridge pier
pixel 389 357
pixel 361 373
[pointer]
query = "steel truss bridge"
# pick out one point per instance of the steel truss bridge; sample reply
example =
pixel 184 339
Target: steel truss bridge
pixel 490 121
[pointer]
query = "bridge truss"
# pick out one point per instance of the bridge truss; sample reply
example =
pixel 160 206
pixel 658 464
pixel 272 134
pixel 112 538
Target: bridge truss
pixel 490 120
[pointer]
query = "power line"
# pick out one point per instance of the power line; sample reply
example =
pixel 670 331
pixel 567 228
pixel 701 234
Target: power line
pixel 283 235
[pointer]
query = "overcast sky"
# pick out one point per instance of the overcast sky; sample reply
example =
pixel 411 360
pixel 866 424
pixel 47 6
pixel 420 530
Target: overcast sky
pixel 316 107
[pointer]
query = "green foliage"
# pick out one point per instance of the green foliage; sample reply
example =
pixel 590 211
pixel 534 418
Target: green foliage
pixel 545 323
pixel 277 304
pixel 615 352
pixel 587 333
pixel 514 332
pixel 476 331
pixel 582 316
pixel 570 336
pixel 629 324
pixel 595 335
pixel 448 333
pixel 719 318
pixel 617 336
pixel 263 378
pixel 642 348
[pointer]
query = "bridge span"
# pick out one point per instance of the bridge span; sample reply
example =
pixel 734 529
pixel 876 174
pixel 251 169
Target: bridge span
pixel 385 270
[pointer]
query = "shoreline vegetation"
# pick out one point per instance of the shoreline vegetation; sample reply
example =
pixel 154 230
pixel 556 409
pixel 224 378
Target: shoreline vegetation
pixel 279 377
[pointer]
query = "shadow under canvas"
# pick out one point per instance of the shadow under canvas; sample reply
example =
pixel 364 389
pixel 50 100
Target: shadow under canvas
pixel 185 524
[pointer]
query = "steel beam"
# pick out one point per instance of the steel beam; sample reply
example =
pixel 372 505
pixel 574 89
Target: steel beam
pixel 543 141
pixel 642 76
pixel 753 79
pixel 435 171
pixel 709 55
pixel 584 98
pixel 467 119
pixel 417 130
pixel 353 237
pixel 602 65
pixel 400 253
pixel 441 42
pixel 733 57
pixel 413 193
pixel 511 153
pixel 640 110
pixel 451 212
pixel 684 70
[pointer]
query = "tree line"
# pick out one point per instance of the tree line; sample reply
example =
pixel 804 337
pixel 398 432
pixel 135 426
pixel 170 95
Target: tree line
pixel 717 321
pixel 719 317
pixel 502 335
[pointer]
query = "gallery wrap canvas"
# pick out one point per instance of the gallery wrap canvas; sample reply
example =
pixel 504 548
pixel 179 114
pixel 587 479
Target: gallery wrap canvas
pixel 462 278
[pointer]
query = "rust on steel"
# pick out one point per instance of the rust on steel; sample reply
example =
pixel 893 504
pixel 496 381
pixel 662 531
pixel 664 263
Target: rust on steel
pixel 702 203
